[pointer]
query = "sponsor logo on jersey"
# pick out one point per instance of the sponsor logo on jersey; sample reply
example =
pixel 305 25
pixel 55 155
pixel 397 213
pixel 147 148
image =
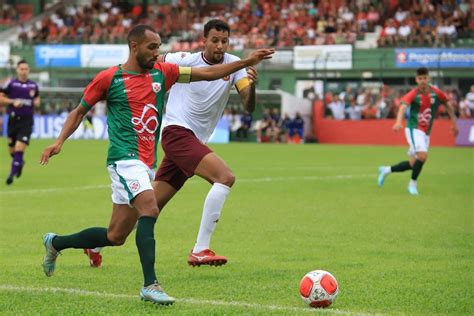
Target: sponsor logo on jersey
pixel 424 118
pixel 117 80
pixel 148 121
pixel 134 185
pixel 156 86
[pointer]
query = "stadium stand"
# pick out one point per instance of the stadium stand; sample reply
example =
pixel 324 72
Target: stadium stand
pixel 254 23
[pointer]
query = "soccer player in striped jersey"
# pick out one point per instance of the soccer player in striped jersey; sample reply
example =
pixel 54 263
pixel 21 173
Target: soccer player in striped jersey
pixel 423 102
pixel 134 92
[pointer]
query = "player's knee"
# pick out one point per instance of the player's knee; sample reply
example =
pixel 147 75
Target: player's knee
pixel 116 239
pixel 227 179
pixel 422 157
pixel 151 212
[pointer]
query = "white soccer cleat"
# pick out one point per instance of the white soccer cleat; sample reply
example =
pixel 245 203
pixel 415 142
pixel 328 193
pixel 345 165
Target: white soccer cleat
pixel 49 260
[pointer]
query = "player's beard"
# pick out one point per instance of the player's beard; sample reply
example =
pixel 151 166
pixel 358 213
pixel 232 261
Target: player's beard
pixel 144 63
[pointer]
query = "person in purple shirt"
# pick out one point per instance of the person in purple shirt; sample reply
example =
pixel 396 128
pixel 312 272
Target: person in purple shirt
pixel 20 95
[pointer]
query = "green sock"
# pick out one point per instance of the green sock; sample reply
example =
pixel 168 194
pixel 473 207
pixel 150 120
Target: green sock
pixel 416 169
pixel 402 166
pixel 88 238
pixel 145 241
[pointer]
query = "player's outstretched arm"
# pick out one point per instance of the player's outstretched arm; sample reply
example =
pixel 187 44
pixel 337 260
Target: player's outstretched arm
pixel 399 122
pixel 73 121
pixel 218 71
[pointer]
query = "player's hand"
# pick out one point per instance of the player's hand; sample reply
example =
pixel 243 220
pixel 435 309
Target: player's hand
pixel 252 74
pixel 454 129
pixel 397 126
pixel 49 151
pixel 260 54
pixel 17 103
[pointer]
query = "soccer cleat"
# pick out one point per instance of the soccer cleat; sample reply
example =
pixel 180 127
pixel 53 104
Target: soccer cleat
pixel 9 181
pixel 412 189
pixel 155 294
pixel 95 258
pixel 49 260
pixel 382 176
pixel 206 257
pixel 18 173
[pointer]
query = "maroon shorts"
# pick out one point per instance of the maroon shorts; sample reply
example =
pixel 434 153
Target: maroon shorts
pixel 183 152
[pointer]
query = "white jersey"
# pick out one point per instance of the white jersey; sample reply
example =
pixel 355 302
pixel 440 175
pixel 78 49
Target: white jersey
pixel 198 105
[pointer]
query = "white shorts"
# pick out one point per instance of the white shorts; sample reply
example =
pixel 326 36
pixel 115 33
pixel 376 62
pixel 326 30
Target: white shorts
pixel 418 141
pixel 129 178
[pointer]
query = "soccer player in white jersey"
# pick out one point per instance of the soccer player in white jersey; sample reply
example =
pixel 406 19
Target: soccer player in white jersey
pixel 192 114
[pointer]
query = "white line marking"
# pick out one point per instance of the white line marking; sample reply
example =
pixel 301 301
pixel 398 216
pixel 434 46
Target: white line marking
pixel 195 180
pixel 8 287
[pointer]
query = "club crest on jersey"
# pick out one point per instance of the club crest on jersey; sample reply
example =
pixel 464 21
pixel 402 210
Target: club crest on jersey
pixel 156 86
pixel 226 78
pixel 32 93
pixel 134 185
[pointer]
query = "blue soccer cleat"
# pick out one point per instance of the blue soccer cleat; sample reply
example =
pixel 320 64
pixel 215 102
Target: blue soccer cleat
pixel 412 189
pixel 49 260
pixel 155 294
pixel 382 176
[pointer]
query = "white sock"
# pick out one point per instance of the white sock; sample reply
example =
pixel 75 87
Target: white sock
pixel 210 215
pixel 387 170
pixel 412 183
pixel 97 250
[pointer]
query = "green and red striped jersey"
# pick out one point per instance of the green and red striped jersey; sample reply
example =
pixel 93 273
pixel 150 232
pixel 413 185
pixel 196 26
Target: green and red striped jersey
pixel 423 107
pixel 135 107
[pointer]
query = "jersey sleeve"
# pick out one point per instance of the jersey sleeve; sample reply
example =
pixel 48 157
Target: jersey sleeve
pixel 440 94
pixel 173 73
pixel 97 89
pixel 178 58
pixel 240 79
pixel 408 98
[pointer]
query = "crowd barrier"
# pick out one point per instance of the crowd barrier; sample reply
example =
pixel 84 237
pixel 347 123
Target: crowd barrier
pixel 379 132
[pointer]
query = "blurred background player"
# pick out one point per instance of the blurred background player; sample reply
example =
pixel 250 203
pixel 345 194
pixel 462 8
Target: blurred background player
pixel 21 95
pixel 423 102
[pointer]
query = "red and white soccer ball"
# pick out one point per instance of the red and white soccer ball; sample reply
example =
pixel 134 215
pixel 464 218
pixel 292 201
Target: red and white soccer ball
pixel 319 288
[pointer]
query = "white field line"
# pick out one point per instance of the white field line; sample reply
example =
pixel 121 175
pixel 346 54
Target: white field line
pixel 28 289
pixel 238 181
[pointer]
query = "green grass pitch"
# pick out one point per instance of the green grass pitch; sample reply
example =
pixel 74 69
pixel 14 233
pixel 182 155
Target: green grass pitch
pixel 293 209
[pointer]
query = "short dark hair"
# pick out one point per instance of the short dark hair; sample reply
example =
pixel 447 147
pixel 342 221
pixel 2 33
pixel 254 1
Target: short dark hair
pixel 422 71
pixel 137 33
pixel 216 24
pixel 21 62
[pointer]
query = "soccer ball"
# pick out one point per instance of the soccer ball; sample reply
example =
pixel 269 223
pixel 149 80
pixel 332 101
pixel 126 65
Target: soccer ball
pixel 319 288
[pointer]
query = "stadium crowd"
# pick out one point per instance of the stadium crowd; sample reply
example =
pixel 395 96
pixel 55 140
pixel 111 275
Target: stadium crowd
pixel 383 102
pixel 278 23
pixel 272 127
